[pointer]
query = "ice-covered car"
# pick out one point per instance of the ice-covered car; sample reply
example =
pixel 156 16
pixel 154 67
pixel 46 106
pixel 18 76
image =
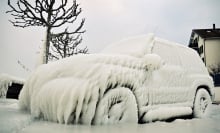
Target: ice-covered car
pixel 141 79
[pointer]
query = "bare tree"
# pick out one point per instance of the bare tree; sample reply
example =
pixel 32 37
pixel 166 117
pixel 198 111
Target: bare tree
pixel 46 13
pixel 65 44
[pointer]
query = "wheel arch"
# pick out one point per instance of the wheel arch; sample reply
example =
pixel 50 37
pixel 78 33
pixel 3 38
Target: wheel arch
pixel 204 82
pixel 207 88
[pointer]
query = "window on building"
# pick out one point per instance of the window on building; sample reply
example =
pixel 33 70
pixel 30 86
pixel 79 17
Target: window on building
pixel 201 49
pixel 216 79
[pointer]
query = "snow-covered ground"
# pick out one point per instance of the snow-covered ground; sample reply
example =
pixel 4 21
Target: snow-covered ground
pixel 13 120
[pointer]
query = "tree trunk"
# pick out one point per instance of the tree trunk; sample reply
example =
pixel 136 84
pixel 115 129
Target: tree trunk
pixel 45 48
pixel 48 37
pixel 65 45
pixel 47 45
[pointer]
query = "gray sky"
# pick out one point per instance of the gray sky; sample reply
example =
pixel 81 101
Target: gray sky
pixel 108 21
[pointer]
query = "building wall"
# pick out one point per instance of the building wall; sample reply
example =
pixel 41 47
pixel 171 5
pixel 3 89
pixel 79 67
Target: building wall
pixel 217 94
pixel 212 52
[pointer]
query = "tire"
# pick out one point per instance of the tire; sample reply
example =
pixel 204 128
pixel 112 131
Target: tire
pixel 202 102
pixel 117 106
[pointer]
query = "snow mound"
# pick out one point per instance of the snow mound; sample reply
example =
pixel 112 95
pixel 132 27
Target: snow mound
pixel 6 81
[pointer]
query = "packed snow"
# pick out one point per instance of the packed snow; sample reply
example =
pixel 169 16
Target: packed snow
pixel 110 87
pixel 6 81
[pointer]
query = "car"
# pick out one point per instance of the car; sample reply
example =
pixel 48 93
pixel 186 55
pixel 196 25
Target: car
pixel 140 79
pixel 10 86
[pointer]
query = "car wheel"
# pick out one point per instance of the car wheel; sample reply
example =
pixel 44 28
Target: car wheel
pixel 117 106
pixel 202 101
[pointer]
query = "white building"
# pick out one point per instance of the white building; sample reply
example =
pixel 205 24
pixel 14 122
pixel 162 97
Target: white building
pixel 207 43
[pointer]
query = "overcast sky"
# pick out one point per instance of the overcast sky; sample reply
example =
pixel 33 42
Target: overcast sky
pixel 108 21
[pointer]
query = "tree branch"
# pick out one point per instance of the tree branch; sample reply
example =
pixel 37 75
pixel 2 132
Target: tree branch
pixel 25 14
pixel 48 14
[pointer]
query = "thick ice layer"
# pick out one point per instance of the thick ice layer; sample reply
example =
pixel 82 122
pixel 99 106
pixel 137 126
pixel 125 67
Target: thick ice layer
pixel 69 90
pixel 12 120
pixel 126 83
pixel 6 81
pixel 118 104
pixel 164 113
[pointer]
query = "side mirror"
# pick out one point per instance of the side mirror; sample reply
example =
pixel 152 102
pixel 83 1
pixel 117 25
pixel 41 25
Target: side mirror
pixel 153 61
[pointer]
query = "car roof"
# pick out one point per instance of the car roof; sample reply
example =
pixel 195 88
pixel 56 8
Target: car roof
pixel 136 46
pixel 139 46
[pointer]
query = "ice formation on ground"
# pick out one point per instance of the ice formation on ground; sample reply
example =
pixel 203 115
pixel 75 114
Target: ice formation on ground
pixel 6 81
pixel 110 87
pixel 13 120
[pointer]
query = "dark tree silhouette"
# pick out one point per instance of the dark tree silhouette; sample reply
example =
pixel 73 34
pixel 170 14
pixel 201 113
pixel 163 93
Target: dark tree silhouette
pixel 46 13
pixel 65 44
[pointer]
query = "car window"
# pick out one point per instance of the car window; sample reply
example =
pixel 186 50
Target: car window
pixel 167 52
pixel 191 60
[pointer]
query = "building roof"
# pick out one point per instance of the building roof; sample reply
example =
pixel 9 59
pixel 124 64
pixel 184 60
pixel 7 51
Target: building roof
pixel 208 33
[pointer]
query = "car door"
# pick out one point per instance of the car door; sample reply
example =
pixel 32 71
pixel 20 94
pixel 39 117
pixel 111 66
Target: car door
pixel 194 70
pixel 167 85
